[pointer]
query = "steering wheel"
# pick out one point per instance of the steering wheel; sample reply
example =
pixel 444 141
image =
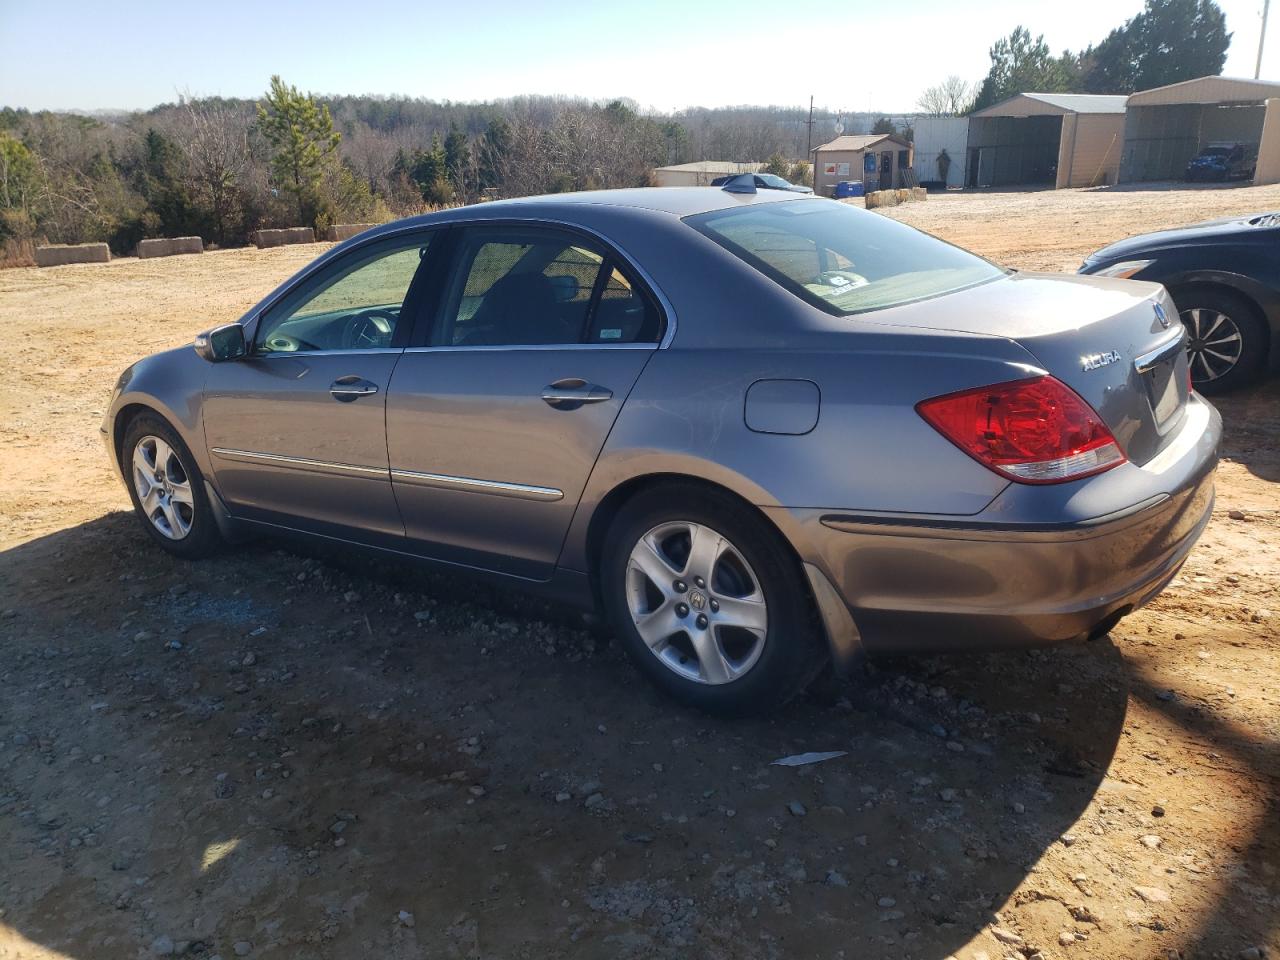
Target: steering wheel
pixel 369 328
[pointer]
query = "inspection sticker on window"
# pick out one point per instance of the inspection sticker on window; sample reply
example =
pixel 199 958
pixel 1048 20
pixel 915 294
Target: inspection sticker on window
pixel 612 333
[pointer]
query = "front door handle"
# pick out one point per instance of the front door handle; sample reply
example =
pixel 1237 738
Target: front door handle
pixel 572 392
pixel 346 389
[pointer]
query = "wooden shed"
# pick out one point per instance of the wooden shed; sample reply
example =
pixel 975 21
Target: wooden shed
pixel 1053 139
pixel 880 160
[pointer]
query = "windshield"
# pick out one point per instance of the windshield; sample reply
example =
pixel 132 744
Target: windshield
pixel 841 259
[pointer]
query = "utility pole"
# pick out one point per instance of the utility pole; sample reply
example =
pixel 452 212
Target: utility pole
pixel 1262 37
pixel 808 151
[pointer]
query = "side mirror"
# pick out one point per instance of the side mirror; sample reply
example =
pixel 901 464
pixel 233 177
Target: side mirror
pixel 222 343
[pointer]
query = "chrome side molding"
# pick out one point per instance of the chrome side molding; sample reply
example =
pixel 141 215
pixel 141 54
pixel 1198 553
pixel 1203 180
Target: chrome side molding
pixel 498 488
pixel 300 463
pixel 520 491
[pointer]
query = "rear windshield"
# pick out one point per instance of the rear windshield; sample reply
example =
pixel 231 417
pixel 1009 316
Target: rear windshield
pixel 841 259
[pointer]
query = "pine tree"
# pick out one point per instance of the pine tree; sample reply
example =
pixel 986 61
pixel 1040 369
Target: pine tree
pixel 304 142
pixel 1169 41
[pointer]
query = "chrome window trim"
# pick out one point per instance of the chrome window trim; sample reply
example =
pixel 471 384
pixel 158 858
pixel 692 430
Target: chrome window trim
pixel 300 463
pixel 490 348
pixel 322 353
pixel 521 491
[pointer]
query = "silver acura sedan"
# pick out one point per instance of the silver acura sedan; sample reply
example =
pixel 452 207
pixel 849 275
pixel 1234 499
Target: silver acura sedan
pixel 758 431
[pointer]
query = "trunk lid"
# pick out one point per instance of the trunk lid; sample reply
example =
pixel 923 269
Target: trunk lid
pixel 1117 343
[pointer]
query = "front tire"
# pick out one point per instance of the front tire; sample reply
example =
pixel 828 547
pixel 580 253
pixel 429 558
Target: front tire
pixel 708 601
pixel 1226 339
pixel 167 489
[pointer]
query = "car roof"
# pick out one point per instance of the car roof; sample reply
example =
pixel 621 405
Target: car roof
pixel 676 201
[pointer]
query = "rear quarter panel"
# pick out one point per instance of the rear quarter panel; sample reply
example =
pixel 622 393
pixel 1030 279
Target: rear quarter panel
pixel 870 452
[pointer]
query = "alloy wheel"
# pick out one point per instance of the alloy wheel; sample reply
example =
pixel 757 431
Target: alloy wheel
pixel 163 487
pixel 696 603
pixel 1214 344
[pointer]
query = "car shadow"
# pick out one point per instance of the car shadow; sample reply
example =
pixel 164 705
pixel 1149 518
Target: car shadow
pixel 270 753
pixel 1250 424
pixel 1249 913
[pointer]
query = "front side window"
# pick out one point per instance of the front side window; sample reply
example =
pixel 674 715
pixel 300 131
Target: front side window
pixel 522 287
pixel 355 305
pixel 843 260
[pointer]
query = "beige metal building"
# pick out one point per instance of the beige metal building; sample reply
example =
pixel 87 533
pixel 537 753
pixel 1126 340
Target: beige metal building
pixel 1053 139
pixel 700 173
pixel 1167 126
pixel 880 160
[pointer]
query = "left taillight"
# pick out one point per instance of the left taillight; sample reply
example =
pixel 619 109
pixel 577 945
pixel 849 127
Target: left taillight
pixel 1031 431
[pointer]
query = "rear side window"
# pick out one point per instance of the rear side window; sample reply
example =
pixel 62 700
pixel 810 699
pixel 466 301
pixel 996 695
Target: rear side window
pixel 526 287
pixel 842 260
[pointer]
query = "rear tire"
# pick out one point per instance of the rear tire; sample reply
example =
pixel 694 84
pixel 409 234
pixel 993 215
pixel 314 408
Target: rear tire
pixel 167 489
pixel 1226 339
pixel 734 634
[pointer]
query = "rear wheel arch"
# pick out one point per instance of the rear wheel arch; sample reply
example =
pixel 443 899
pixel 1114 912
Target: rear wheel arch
pixel 613 502
pixel 798 645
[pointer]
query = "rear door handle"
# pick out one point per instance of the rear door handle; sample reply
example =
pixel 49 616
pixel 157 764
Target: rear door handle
pixel 572 392
pixel 346 389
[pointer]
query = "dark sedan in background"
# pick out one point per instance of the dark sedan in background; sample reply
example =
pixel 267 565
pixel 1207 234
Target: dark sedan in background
pixel 762 181
pixel 1224 276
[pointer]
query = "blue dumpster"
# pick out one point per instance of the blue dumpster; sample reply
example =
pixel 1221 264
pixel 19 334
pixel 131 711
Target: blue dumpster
pixel 848 188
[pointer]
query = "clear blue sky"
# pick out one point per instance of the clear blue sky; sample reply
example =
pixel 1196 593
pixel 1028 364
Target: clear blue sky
pixel 94 54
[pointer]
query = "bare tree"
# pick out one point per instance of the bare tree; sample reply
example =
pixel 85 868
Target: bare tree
pixel 951 98
pixel 215 140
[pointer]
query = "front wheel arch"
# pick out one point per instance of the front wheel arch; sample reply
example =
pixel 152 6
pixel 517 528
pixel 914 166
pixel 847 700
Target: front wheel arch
pixel 120 426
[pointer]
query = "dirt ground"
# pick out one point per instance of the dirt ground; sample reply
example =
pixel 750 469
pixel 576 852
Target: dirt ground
pixel 276 754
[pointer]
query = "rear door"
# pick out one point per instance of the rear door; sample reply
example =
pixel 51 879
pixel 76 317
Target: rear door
pixel 495 422
pixel 296 429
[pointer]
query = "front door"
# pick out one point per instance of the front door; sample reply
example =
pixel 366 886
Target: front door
pixel 886 170
pixel 493 427
pixel 296 430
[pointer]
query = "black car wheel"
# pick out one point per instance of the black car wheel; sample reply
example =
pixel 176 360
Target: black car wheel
pixel 167 489
pixel 708 601
pixel 1225 340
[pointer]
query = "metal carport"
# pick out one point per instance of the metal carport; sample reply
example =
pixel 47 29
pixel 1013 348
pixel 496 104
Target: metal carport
pixel 1167 126
pixel 1055 139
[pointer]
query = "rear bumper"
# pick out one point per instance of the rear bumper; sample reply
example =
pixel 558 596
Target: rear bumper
pixel 940 584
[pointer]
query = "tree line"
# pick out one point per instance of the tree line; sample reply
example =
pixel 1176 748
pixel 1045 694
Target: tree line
pixel 1167 42
pixel 222 168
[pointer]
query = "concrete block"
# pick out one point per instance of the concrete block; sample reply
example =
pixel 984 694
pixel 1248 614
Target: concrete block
pixel 345 231
pixel 169 246
pixel 55 255
pixel 278 238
